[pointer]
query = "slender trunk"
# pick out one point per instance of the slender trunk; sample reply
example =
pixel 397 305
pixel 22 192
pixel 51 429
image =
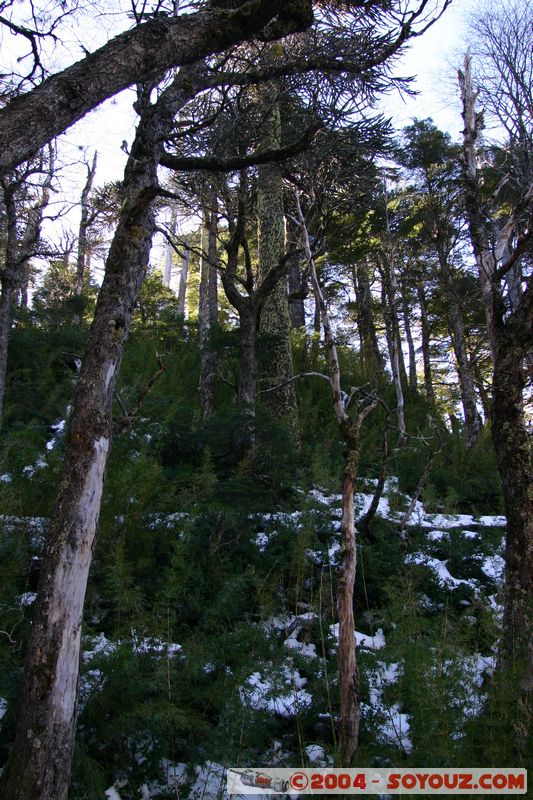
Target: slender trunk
pixel 39 766
pixel 274 319
pixel 6 300
pixel 296 305
pixel 85 223
pixel 380 486
pixel 247 394
pixel 457 336
pixel 169 250
pixel 350 707
pixel 371 354
pixel 396 356
pixel 413 383
pixel 183 281
pixel 207 315
pixel 426 353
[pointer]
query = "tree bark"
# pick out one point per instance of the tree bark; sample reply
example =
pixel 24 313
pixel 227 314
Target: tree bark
pixel 457 335
pixel 169 250
pixel 184 273
pixel 85 222
pixel 30 121
pixel 413 382
pixel 274 318
pixel 7 293
pixel 426 343
pixel 39 766
pixel 207 314
pixel 371 354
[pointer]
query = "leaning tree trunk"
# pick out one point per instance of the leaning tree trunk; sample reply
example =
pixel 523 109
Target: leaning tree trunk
pixel 40 763
pixel 275 320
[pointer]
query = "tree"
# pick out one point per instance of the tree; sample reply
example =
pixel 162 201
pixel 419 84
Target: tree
pixel 350 430
pixel 501 230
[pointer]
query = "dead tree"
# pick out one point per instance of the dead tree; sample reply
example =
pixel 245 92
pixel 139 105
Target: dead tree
pixel 350 430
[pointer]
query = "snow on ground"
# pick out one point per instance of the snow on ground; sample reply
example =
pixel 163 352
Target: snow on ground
pixel 282 693
pixel 441 571
pixel 3 707
pixel 369 641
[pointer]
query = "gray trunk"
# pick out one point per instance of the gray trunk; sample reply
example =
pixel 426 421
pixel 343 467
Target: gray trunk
pixel 6 300
pixel 169 250
pixel 85 222
pixel 184 274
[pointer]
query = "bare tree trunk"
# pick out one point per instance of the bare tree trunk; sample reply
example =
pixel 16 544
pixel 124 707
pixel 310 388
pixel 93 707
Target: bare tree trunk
pixel 296 305
pixel 247 395
pixel 39 766
pixel 85 223
pixel 424 324
pixel 464 370
pixel 207 313
pixel 184 273
pixel 350 707
pixel 274 319
pixel 413 382
pixel 169 250
pixel 370 351
pixel 390 286
pixel 6 299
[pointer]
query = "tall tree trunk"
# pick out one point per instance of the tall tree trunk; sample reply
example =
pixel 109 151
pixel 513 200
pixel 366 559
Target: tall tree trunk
pixel 371 354
pixel 6 300
pixel 426 343
pixel 296 304
pixel 39 766
pixel 464 370
pixel 169 250
pixel 247 394
pixel 184 273
pixel 207 313
pixel 413 382
pixel 350 707
pixel 85 223
pixel 390 310
pixel 510 337
pixel 274 319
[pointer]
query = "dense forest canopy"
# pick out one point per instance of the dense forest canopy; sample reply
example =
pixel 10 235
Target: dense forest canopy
pixel 265 461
